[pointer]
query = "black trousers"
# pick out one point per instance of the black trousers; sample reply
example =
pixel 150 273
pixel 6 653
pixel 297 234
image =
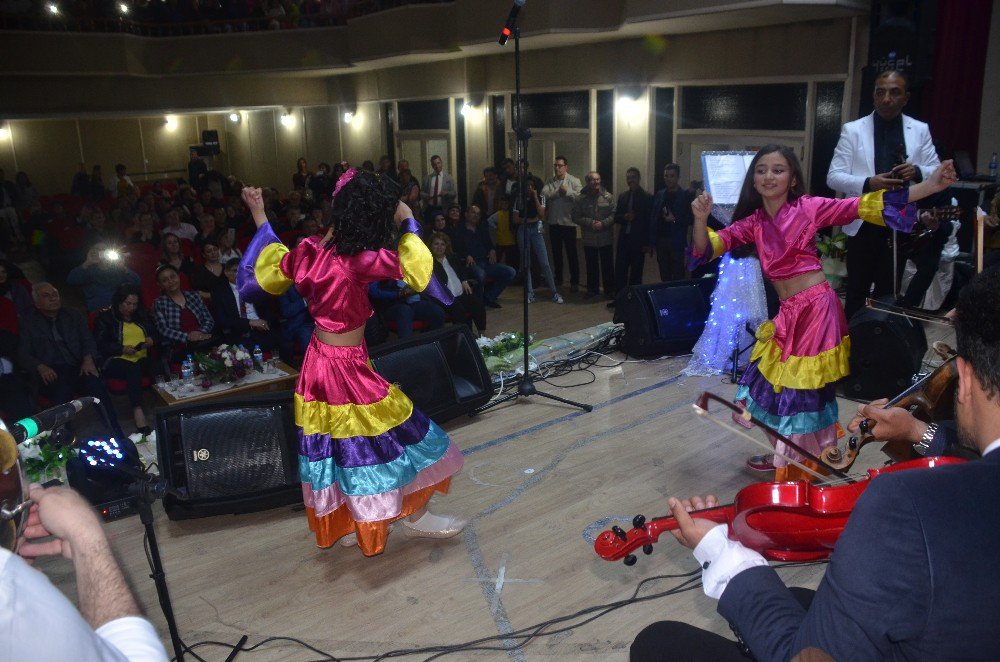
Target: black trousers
pixel 869 263
pixel 670 260
pixel 563 238
pixel 629 263
pixel 132 373
pixel 600 269
pixel 14 401
pixel 926 256
pixel 469 308
pixel 672 641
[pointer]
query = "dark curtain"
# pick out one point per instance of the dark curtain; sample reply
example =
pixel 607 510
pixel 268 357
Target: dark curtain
pixel 953 98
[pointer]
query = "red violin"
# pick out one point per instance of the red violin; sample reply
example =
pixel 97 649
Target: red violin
pixel 791 521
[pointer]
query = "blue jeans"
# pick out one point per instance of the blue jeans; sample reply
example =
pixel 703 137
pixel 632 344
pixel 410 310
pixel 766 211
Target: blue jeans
pixel 500 274
pixel 538 251
pixel 404 314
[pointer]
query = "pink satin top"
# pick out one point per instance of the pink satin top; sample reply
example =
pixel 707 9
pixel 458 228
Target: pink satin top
pixel 786 244
pixel 335 287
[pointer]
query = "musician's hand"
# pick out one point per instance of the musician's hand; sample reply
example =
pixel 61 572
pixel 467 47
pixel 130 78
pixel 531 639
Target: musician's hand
pixel 892 424
pixel 905 171
pixel 691 529
pixel 884 181
pixel 63 513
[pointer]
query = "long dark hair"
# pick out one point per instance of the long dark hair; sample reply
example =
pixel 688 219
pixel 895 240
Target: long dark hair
pixel 124 291
pixel 363 210
pixel 750 200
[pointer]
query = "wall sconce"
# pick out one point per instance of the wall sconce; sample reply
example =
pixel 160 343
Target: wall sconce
pixel 170 122
pixel 4 133
pixel 348 117
pixel 234 117
pixel 52 8
pixel 287 119
pixel 123 8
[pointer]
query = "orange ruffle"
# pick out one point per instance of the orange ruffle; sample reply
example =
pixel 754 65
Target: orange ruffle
pixel 371 535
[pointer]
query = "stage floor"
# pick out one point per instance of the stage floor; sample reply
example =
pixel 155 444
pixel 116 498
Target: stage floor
pixel 540 481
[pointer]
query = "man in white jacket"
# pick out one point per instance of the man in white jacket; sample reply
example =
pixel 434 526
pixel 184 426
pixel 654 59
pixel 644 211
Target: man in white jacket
pixel 883 150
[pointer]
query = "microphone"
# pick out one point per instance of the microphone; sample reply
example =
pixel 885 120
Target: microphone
pixel 26 428
pixel 508 27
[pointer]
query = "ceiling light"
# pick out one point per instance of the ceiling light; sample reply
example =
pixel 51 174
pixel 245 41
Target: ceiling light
pixel 4 133
pixel 170 121
pixel 287 119
pixel 348 117
pixel 234 117
pixel 53 8
pixel 122 7
pixel 466 109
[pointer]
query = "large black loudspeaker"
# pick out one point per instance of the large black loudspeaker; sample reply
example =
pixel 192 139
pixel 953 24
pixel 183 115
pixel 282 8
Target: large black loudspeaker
pixel 229 457
pixel 665 318
pixel 886 351
pixel 442 371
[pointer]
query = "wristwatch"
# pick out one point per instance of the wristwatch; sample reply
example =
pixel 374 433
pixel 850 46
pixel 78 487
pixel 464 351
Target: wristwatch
pixel 924 445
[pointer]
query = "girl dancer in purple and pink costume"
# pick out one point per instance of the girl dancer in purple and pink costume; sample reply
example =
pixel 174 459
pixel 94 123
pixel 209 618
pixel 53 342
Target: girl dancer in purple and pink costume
pixel 804 350
pixel 367 457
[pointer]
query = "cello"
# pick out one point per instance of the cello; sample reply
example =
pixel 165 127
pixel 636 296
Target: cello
pixel 784 521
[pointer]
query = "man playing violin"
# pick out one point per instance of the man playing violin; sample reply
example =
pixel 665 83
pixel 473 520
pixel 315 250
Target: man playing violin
pixel 914 574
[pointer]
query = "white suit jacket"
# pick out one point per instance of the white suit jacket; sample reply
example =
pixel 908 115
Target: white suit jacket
pixel 854 158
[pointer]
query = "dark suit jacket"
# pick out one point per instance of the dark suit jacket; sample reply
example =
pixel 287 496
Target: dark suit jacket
pixel 227 315
pixel 913 576
pixel 634 235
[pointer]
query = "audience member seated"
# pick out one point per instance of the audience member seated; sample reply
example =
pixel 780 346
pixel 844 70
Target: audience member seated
pixel 59 353
pixel 27 194
pixel 124 334
pixel 208 275
pixel 174 255
pixel 227 248
pixel 438 223
pixel 12 289
pixel 399 306
pixel 297 324
pixel 144 231
pixel 320 184
pixel 14 401
pixel 238 322
pixel 208 230
pixel 468 306
pixel 182 320
pixel 100 275
pixel 473 243
pixel 172 223
pixel 409 191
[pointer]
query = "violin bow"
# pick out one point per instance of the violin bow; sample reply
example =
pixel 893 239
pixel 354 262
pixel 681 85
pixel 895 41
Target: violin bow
pixel 912 313
pixel 701 408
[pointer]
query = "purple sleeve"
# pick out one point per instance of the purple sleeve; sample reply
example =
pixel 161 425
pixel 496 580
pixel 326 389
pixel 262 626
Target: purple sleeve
pixel 246 277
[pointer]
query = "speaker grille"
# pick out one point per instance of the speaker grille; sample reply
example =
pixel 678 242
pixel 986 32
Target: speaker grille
pixel 231 449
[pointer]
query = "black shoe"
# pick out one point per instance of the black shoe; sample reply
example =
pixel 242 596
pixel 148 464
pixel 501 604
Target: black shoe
pixel 493 304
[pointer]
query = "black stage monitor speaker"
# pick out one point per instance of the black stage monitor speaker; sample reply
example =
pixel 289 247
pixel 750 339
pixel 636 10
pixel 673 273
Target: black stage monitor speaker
pixel 234 456
pixel 886 351
pixel 664 318
pixel 442 371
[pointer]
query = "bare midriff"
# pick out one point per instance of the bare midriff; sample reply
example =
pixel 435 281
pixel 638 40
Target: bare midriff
pixel 789 287
pixel 347 339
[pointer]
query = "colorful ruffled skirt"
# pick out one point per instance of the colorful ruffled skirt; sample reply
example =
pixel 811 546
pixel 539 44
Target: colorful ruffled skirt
pixel 366 456
pixel 789 385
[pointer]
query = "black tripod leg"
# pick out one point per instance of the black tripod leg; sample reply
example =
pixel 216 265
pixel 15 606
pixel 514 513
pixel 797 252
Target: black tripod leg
pixel 564 401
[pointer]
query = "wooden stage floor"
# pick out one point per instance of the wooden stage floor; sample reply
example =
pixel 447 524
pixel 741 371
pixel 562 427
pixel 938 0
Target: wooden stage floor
pixel 540 480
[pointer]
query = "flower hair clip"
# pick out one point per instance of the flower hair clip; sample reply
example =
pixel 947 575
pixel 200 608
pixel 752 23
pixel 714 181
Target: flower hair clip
pixel 346 177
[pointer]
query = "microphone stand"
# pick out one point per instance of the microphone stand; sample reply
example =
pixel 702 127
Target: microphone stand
pixel 526 387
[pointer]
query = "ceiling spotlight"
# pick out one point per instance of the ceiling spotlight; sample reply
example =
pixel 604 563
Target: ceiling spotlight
pixel 52 8
pixel 123 8
pixel 348 117
pixel 170 121
pixel 4 133
pixel 234 117
pixel 287 119
pixel 466 109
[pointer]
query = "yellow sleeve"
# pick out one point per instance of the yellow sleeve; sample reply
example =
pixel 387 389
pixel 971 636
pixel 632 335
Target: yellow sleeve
pixel 416 261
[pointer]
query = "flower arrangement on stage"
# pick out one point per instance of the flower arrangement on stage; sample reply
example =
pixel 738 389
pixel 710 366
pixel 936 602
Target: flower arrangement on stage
pixel 225 364
pixel 502 352
pixel 832 251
